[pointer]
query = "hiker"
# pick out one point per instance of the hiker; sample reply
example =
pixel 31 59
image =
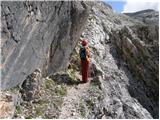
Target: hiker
pixel 85 60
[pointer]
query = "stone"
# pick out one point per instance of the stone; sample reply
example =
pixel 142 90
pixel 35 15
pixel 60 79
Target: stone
pixel 30 88
pixel 7 105
pixel 124 60
pixel 38 34
pixel 121 61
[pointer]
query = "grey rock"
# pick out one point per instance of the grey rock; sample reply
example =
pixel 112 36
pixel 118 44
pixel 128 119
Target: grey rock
pixel 38 35
pixel 147 16
pixel 124 56
pixel 120 61
pixel 30 88
pixel 40 97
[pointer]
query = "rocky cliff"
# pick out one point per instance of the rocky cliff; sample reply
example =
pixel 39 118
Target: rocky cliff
pixel 120 44
pixel 123 70
pixel 38 35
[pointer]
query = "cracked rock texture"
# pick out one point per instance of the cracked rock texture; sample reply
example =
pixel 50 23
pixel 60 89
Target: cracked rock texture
pixel 38 35
pixel 125 50
pixel 124 74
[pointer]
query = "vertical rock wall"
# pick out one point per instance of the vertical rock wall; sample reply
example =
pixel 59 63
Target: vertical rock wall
pixel 38 35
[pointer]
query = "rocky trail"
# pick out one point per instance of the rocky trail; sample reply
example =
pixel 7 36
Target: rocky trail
pixel 107 95
pixel 43 80
pixel 70 106
pixel 118 101
pixel 71 101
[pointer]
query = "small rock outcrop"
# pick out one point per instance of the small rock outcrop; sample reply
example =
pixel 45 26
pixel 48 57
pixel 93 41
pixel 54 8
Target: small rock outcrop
pixel 30 88
pixel 7 105
pixel 38 34
pixel 41 97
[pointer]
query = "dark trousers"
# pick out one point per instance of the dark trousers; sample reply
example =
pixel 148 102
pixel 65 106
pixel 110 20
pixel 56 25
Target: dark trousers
pixel 85 70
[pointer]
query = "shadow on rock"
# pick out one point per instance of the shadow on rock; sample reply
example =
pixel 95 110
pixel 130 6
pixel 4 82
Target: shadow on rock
pixel 137 88
pixel 64 78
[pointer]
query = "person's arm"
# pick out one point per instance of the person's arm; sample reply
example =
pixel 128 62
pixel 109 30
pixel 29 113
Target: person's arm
pixel 88 54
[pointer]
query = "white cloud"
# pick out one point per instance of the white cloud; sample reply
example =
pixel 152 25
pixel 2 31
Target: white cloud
pixel 135 5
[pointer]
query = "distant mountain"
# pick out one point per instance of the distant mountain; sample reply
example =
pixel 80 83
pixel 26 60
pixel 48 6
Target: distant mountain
pixel 147 16
pixel 140 12
pixel 40 45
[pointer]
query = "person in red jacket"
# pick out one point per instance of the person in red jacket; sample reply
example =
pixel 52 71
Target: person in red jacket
pixel 85 60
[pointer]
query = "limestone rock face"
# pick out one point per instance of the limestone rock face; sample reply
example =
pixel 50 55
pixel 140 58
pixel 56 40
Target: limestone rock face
pixel 139 46
pixel 125 50
pixel 38 35
pixel 37 39
pixel 140 50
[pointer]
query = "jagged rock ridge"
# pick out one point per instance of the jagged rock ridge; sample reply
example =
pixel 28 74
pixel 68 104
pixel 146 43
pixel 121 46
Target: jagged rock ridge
pixel 119 45
pixel 135 42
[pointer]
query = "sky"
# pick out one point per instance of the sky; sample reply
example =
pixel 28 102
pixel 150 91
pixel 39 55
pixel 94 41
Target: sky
pixel 124 6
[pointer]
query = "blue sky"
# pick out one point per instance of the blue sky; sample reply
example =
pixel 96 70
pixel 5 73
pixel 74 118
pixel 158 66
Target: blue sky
pixel 116 5
pixel 133 5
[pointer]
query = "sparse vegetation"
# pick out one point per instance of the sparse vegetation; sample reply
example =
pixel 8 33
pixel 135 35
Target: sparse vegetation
pixel 82 110
pixel 74 62
pixel 38 111
pixel 90 103
pixel 14 89
pixel 60 90
pixel 71 73
pixel 50 98
pixel 49 83
pixel 74 65
pixel 18 109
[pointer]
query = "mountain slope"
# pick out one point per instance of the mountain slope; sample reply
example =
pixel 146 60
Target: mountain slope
pixel 123 71
pixel 144 15
pixel 120 36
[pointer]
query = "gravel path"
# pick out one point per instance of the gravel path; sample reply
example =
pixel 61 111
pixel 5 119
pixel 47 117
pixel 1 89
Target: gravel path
pixel 70 106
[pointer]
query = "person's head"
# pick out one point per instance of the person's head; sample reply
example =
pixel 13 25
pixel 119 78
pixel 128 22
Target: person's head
pixel 84 42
